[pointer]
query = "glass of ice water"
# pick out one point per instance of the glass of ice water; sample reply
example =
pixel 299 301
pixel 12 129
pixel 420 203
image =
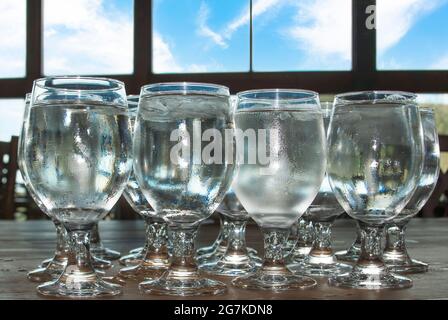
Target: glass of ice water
pixel 77 154
pixel 396 254
pixel 281 154
pixel 184 167
pixel 374 161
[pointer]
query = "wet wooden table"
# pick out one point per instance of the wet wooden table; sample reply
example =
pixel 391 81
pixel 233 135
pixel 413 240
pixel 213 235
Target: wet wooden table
pixel 25 244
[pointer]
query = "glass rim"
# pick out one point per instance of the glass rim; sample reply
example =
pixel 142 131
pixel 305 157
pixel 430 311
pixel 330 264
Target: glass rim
pixel 312 95
pixel 342 98
pixel 40 82
pixel 221 90
pixel 426 109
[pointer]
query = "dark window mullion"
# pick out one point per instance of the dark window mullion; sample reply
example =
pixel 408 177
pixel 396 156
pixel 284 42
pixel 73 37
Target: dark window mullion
pixel 34 30
pixel 251 38
pixel 142 44
pixel 363 46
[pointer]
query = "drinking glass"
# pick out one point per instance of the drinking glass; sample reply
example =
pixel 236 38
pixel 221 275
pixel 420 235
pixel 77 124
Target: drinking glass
pixel 305 237
pixel 77 154
pixel 375 159
pixel 155 259
pixel 276 190
pixel 395 253
pixel 52 268
pixel 324 210
pixel 182 174
pixel 353 252
pixel 236 260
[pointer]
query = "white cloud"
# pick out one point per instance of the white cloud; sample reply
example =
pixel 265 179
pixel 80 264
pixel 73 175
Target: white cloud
pixel 163 59
pixel 82 37
pixel 204 30
pixel 12 38
pixel 323 28
pixel 258 8
pixel 395 18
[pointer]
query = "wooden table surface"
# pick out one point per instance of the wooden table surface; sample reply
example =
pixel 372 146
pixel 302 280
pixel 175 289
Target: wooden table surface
pixel 25 244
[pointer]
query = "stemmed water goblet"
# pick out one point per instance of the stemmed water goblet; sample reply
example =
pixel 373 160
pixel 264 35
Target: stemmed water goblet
pixel 324 210
pixel 276 189
pixel 77 155
pixel 155 258
pixel 395 253
pixel 375 151
pixel 236 261
pixel 183 176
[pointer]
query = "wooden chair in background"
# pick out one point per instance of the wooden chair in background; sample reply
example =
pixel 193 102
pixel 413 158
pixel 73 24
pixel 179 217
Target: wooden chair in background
pixel 8 172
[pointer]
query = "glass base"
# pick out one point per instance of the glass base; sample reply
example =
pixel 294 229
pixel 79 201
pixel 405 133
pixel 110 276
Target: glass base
pixel 371 281
pixel 136 250
pixel 100 264
pixel 298 255
pixel 320 269
pixel 106 254
pixel 132 259
pixel 350 255
pixel 282 281
pixel 75 286
pixel 179 286
pixel 45 263
pixel 140 273
pixel 233 265
pixel 51 272
pixel 411 266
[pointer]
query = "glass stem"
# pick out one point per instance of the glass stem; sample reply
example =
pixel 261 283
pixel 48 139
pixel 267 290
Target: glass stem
pixel 396 239
pixel 237 238
pixel 274 242
pixel 182 260
pixel 371 250
pixel 62 246
pixel 79 258
pixel 95 240
pixel 322 241
pixel 305 233
pixel 226 229
pixel 156 243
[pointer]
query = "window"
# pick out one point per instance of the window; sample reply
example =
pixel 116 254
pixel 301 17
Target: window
pixel 302 35
pixel 412 35
pixel 200 36
pixel 12 117
pixel 321 45
pixel 12 38
pixel 88 37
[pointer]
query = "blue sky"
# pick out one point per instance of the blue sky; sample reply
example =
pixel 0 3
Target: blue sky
pixel 96 36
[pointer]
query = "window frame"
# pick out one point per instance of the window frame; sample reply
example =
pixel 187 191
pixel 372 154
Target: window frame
pixel 363 76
